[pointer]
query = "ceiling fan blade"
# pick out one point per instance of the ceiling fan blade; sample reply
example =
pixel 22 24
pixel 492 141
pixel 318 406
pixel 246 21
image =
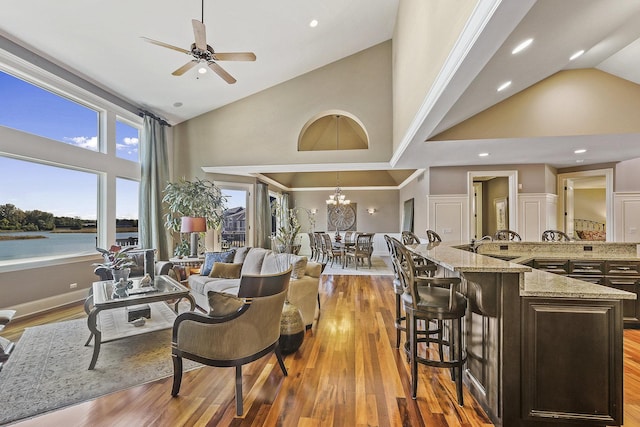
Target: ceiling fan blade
pixel 222 73
pixel 235 56
pixel 186 67
pixel 156 42
pixel 199 33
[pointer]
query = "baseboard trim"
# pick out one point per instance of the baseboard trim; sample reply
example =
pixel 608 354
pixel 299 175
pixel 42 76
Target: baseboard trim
pixel 39 306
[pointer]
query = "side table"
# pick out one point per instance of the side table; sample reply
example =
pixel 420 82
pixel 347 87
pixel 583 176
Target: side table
pixel 191 265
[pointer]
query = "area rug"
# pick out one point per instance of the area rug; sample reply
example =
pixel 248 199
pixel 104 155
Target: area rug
pixel 48 368
pixel 380 266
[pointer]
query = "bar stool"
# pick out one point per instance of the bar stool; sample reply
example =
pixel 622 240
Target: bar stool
pixel 427 299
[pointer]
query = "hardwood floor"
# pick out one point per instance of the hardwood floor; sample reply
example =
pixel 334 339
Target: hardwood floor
pixel 347 373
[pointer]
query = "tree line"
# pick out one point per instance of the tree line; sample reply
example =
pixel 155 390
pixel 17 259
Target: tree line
pixel 15 219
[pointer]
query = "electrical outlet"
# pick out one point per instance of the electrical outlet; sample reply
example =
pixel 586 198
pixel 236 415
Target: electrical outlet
pixel 73 285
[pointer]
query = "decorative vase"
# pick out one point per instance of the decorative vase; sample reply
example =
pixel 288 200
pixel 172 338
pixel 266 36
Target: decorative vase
pixel 291 329
pixel 120 274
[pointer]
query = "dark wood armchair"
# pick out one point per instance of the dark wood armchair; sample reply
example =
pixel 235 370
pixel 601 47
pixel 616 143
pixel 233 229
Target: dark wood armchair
pixel 237 330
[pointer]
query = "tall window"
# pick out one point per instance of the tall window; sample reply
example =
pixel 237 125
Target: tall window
pixel 37 111
pixel 47 211
pixel 234 228
pixel 57 200
pixel 127 139
pixel 127 211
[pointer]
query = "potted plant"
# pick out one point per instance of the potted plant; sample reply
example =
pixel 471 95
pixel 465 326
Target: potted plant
pixel 200 198
pixel 117 260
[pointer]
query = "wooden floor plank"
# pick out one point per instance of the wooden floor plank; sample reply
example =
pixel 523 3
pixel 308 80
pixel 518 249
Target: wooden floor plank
pixel 347 372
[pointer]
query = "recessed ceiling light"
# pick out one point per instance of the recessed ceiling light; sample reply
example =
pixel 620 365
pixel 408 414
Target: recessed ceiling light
pixel 522 46
pixel 575 55
pixel 580 151
pixel 483 154
pixel 504 85
pixel 177 104
pixel 580 161
pixel 313 23
pixel 202 70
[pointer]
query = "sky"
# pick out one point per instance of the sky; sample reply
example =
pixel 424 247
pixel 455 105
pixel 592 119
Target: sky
pixel 63 192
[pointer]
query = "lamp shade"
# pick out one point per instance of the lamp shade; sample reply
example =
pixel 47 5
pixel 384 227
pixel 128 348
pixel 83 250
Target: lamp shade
pixel 191 224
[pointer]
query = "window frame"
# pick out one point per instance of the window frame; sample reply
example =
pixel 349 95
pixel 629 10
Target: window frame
pixel 104 162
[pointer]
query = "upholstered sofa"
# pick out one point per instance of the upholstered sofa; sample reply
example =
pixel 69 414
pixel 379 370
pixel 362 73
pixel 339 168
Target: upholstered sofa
pixel 221 272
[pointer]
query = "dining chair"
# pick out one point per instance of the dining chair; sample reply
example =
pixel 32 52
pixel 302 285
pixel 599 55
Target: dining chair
pixel 361 250
pixel 507 235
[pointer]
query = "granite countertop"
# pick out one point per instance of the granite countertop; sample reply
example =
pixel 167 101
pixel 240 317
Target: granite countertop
pixel 533 283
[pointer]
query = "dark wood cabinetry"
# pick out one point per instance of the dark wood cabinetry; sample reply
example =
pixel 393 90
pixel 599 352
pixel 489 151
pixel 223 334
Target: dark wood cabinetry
pixel 620 274
pixel 569 375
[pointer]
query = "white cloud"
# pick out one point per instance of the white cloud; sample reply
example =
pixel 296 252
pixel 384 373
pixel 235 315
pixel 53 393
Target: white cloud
pixel 89 142
pixel 130 141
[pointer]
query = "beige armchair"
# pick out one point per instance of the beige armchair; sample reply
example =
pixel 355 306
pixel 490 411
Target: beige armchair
pixel 237 330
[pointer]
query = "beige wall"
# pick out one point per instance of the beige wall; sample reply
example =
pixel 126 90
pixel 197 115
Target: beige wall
pixel 590 204
pixel 571 102
pixel 25 286
pixel 626 176
pixel 264 128
pixel 424 35
pixel 453 180
pixel 493 189
pixel 418 189
pixel 384 220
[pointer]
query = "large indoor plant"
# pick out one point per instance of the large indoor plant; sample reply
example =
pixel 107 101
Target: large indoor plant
pixel 200 198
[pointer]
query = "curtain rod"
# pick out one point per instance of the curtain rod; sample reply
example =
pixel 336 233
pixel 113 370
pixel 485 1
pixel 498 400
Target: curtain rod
pixel 162 121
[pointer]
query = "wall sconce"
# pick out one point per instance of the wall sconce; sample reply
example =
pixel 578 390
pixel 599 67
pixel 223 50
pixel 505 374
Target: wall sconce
pixel 371 211
pixel 313 211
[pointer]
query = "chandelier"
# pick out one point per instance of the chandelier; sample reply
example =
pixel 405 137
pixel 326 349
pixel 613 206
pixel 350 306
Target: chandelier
pixel 337 198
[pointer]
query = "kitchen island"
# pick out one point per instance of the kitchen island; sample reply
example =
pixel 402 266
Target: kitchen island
pixel 542 348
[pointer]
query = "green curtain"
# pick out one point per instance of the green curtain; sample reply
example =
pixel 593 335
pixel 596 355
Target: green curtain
pixel 155 172
pixel 263 216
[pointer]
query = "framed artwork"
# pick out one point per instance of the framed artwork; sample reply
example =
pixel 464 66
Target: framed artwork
pixel 501 207
pixel 407 217
pixel 342 217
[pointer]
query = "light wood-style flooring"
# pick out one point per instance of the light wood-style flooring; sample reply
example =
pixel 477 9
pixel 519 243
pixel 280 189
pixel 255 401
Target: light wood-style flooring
pixel 347 373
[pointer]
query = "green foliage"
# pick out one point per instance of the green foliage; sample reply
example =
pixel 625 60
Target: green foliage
pixel 199 198
pixel 116 258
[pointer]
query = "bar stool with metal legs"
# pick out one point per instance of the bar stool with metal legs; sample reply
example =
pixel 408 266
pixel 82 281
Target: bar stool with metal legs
pixel 439 301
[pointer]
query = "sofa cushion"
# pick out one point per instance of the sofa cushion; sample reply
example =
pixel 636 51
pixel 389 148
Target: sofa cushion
pixel 223 270
pixel 253 261
pixel 276 263
pixel 212 257
pixel 241 254
pixel 313 269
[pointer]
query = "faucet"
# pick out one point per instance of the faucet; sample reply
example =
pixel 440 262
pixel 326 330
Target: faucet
pixel 475 243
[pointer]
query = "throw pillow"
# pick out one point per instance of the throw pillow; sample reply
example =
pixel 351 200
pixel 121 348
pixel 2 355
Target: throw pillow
pixel 212 257
pixel 224 270
pixel 299 266
pixel 222 305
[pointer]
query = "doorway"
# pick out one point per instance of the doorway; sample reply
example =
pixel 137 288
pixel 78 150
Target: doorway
pixel 585 204
pixel 495 208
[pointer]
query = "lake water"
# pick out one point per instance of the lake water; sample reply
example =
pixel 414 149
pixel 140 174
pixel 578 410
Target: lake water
pixel 52 245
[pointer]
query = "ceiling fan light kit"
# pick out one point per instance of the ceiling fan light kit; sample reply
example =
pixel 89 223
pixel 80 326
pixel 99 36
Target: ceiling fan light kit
pixel 203 53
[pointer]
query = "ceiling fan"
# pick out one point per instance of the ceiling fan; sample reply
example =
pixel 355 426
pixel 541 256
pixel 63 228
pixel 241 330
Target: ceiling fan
pixel 202 52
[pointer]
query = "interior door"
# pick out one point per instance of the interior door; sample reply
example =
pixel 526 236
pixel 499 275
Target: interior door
pixel 568 207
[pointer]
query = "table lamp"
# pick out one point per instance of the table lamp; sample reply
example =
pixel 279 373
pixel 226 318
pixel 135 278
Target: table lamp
pixel 193 225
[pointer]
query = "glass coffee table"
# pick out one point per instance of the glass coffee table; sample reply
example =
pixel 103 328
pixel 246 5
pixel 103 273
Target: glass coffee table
pixel 101 298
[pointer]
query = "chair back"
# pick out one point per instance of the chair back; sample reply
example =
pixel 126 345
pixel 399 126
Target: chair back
pixel 507 235
pixel 409 238
pixel 348 235
pixel 364 243
pixel 555 236
pixel 433 236
pixel 326 242
pixel 254 286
